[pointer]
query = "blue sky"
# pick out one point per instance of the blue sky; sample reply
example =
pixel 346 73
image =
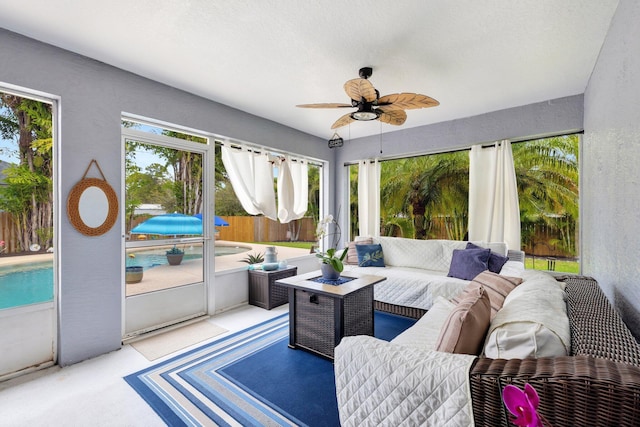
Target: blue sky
pixel 6 148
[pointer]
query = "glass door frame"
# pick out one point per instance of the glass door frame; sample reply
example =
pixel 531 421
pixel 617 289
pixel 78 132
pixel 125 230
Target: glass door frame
pixel 207 153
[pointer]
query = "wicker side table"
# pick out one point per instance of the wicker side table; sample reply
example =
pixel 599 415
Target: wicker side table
pixel 264 292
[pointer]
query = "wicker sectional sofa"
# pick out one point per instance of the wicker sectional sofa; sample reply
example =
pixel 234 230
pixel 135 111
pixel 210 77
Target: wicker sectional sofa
pixel 416 271
pixel 598 384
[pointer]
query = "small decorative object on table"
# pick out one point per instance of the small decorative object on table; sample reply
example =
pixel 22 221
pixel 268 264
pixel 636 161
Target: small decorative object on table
pixel 332 265
pixel 175 255
pixel 270 254
pixel 270 259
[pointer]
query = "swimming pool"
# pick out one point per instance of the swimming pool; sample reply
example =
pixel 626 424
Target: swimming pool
pixel 152 258
pixel 24 284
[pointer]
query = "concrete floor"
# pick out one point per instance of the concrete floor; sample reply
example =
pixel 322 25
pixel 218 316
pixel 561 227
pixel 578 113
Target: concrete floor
pixel 93 392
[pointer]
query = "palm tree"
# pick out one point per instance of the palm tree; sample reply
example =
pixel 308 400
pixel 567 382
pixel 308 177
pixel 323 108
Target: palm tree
pixel 547 175
pixel 416 192
pixel 422 188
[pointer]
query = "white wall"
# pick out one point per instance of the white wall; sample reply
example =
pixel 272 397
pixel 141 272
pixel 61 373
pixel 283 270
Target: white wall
pixel 93 98
pixel 611 166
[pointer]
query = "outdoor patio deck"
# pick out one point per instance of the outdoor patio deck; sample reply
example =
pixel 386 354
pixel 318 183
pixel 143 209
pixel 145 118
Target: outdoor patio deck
pixel 167 276
pixel 190 271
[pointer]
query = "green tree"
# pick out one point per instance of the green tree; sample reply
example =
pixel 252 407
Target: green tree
pixel 416 190
pixel 28 193
pixel 548 175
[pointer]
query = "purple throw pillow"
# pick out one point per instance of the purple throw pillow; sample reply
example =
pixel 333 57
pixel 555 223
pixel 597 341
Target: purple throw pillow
pixel 496 261
pixel 468 263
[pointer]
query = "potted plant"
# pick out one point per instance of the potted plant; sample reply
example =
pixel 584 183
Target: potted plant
pixel 253 258
pixel 175 255
pixel 331 264
pixel 133 274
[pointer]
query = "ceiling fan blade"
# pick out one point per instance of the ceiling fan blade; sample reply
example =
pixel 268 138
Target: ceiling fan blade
pixel 360 88
pixel 325 105
pixel 342 121
pixel 407 101
pixel 393 117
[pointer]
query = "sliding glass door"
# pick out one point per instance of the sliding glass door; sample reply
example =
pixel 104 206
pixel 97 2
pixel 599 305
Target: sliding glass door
pixel 166 228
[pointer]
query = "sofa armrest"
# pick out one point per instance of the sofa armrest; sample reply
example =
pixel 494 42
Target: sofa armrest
pixel 381 383
pixel 573 390
pixel 516 255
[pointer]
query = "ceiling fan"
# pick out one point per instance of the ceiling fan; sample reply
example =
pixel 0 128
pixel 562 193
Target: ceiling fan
pixel 366 98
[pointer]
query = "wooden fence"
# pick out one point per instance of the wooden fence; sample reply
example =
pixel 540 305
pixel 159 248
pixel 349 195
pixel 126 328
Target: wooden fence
pixel 261 229
pixel 258 229
pixel 8 234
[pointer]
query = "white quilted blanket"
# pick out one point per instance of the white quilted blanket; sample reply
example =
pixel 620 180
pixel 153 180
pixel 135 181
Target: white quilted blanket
pixel 410 387
pixel 411 287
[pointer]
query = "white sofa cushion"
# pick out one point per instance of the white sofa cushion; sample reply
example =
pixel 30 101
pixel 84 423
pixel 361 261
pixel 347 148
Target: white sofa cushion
pixel 425 254
pixel 411 287
pixel 424 333
pixel 533 321
pixel 512 268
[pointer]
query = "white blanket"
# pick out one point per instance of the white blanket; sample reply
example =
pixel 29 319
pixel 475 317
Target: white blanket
pixel 411 287
pixel 381 383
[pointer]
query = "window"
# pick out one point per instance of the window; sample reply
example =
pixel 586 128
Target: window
pixel 26 200
pixel 257 231
pixel 426 197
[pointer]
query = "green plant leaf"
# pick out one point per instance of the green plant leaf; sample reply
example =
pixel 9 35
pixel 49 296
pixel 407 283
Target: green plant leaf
pixel 337 265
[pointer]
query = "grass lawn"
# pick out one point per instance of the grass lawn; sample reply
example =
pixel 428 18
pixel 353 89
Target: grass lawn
pixel 301 245
pixel 563 266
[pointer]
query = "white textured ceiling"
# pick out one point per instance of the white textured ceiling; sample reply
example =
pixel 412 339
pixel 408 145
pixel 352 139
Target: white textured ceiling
pixel 266 56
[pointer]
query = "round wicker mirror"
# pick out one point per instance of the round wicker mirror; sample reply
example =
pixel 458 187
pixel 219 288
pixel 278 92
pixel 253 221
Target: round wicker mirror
pixel 92 206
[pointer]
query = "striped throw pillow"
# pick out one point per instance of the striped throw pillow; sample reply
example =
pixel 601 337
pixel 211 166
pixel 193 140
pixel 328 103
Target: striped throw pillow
pixel 352 254
pixel 464 330
pixel 495 285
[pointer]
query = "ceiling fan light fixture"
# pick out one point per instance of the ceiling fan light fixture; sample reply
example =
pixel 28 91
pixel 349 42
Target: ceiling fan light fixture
pixel 364 115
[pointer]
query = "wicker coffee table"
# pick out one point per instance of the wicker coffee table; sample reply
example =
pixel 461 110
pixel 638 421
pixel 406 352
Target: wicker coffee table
pixel 321 314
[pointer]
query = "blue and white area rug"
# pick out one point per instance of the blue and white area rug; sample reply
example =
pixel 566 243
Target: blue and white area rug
pixel 249 378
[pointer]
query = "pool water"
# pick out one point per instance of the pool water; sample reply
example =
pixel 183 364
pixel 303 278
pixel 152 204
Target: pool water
pixel 26 284
pixel 150 259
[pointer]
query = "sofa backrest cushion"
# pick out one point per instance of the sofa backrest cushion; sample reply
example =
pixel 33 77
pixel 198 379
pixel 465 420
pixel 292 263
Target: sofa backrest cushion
pixel 352 254
pixel 464 330
pixel 499 248
pixel 425 254
pixel 496 286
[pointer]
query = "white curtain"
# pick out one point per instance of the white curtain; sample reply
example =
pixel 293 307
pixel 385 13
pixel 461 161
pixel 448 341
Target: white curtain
pixel 369 197
pixel 494 211
pixel 251 177
pixel 293 189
